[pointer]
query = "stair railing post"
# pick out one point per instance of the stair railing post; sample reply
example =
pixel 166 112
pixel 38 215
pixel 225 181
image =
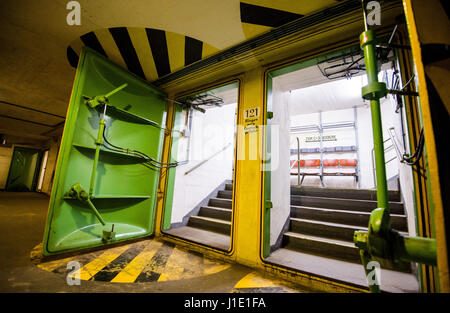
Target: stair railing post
pixel 298 162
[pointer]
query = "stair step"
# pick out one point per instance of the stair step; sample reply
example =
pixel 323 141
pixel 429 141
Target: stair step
pixel 353 218
pixel 358 194
pixel 343 204
pixel 219 213
pixel 324 229
pixel 229 186
pixel 221 203
pixel 212 224
pixel 225 194
pixel 337 249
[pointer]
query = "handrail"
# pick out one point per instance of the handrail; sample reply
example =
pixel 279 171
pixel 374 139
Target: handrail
pixel 298 162
pixel 397 149
pixel 394 145
pixel 207 159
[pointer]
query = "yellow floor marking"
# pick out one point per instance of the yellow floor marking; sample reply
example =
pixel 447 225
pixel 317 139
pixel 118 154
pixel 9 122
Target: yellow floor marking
pixel 213 267
pixel 173 270
pixel 95 266
pixel 53 265
pixel 135 267
pixel 191 266
pixel 216 268
pixel 254 280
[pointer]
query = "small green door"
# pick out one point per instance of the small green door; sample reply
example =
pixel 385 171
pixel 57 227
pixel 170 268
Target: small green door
pixel 23 170
pixel 109 197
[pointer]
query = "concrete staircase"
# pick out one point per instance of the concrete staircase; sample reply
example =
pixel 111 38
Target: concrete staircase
pixel 211 222
pixel 216 216
pixel 320 236
pixel 323 220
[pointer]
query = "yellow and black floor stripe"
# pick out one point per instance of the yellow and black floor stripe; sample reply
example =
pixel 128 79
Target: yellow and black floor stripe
pixel 155 261
pixel 144 261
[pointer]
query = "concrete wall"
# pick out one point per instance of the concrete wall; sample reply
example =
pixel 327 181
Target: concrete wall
pixel 280 177
pixel 5 161
pixel 211 132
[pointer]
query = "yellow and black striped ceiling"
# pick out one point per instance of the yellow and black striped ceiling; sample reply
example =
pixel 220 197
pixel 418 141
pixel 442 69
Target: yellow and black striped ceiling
pixel 152 53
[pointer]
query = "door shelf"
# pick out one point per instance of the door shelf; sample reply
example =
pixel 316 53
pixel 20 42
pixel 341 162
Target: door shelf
pixel 116 153
pixel 113 197
pixel 131 116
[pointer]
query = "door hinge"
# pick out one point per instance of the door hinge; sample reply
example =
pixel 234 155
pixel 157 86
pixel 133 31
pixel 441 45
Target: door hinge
pixel 268 204
pixel 269 115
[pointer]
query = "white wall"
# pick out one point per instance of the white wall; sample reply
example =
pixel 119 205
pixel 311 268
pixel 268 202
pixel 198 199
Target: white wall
pixel 5 161
pixel 365 143
pixel 211 132
pixel 280 176
pixel 51 165
pixel 345 137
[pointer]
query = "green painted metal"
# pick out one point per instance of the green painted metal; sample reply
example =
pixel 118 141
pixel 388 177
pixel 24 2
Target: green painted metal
pixel 267 170
pixel 24 169
pixel 122 187
pixel 373 91
pixel 269 115
pixel 171 172
pixel 176 135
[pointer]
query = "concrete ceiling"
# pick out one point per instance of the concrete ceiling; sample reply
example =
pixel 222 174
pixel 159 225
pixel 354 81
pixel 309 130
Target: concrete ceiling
pixel 34 69
pixel 311 92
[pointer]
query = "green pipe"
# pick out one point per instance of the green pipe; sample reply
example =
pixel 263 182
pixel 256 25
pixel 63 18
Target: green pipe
pixel 380 170
pixel 416 249
pixel 93 208
pixel 109 94
pixel 373 91
pixel 98 143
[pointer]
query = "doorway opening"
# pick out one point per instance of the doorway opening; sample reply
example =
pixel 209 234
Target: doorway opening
pixel 24 170
pixel 199 199
pixel 323 187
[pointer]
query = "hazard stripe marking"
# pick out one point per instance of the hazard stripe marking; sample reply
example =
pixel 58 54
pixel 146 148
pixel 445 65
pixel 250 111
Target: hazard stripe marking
pixel 137 265
pixel 115 267
pixel 255 283
pixel 143 261
pixel 265 16
pixel 95 266
pixel 126 48
pixel 155 267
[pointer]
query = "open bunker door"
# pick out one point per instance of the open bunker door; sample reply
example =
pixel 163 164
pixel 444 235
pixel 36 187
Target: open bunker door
pixel 106 179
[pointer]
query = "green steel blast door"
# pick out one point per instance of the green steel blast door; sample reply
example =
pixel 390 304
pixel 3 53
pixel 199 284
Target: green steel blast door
pixel 124 187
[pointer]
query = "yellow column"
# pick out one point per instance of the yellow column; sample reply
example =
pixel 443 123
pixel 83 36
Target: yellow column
pixel 433 170
pixel 248 173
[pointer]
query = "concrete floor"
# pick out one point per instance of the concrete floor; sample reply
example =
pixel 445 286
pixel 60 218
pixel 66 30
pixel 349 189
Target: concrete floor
pixel 22 221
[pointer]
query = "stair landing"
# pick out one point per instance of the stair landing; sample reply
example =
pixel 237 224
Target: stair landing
pixel 348 273
pixel 201 236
